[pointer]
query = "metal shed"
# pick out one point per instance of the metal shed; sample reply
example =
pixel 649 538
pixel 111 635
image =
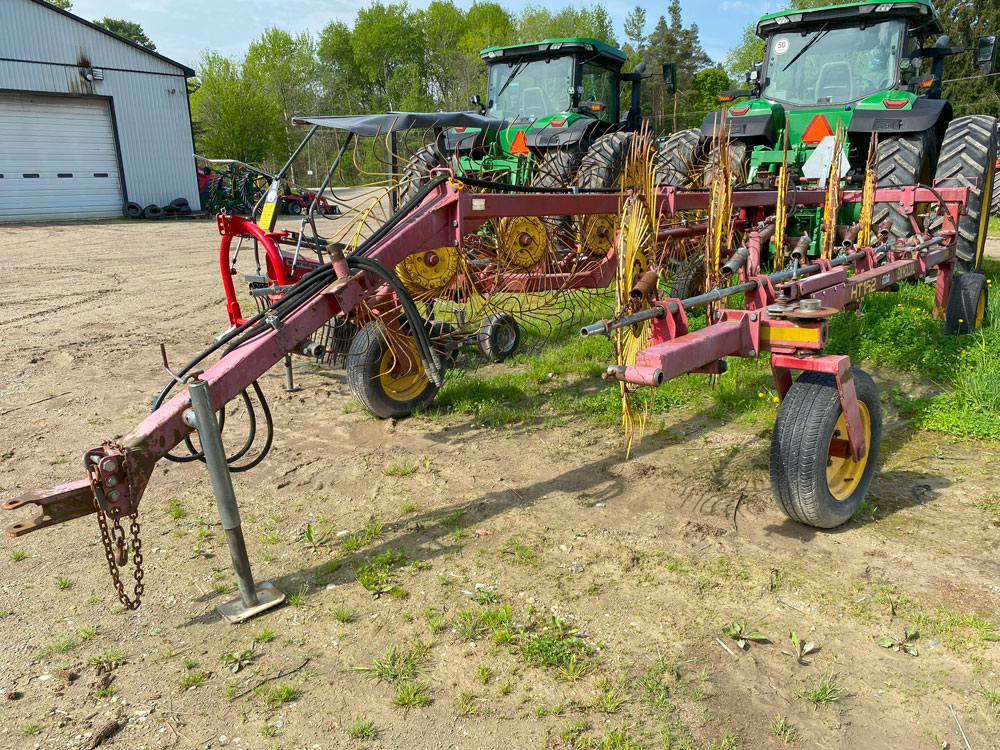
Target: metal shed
pixel 88 120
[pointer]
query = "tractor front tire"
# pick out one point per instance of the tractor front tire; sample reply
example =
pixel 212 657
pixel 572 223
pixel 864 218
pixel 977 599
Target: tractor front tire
pixel 968 159
pixel 811 483
pixel 967 304
pixel 373 381
pixel 902 160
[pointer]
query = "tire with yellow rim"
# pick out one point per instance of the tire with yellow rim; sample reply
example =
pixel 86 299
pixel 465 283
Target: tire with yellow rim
pixel 384 385
pixel 814 478
pixel 967 304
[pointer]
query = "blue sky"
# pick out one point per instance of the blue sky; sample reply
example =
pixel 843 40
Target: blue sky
pixel 181 29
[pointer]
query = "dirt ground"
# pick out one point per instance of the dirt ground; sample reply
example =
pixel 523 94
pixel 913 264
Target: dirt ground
pixel 646 560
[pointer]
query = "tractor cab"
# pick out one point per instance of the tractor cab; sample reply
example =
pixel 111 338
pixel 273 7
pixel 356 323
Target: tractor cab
pixel 528 83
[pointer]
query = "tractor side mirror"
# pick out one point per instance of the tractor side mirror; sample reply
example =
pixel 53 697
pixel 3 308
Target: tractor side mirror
pixel 986 48
pixel 670 78
pixel 476 99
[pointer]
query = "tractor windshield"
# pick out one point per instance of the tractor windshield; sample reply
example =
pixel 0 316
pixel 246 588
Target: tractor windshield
pixel 832 65
pixel 529 89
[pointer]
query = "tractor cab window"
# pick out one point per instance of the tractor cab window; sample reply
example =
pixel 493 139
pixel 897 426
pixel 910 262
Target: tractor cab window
pixel 824 65
pixel 529 89
pixel 600 92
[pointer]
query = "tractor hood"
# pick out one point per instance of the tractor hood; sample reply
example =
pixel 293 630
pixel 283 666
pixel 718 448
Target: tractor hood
pixel 552 131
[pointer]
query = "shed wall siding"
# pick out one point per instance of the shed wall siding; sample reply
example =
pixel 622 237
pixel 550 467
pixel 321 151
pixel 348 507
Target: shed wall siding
pixel 153 125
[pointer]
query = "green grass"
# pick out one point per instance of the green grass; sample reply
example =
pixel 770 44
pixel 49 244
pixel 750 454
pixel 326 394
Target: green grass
pixel 396 664
pixel 362 729
pixel 63 583
pixel 555 646
pixel 107 657
pixel 264 635
pixel 191 680
pixel 373 573
pixel 990 503
pixel 412 694
pixel 59 646
pixel 400 468
pixel 343 614
pixel 174 509
pixel 18 555
pixel 784 731
pixel 276 696
pixel 827 690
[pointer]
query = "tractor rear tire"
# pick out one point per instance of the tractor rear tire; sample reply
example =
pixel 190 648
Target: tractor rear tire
pixel 370 378
pixel 809 484
pixel 680 158
pixel 902 160
pixel 967 304
pixel 418 169
pixel 603 165
pixel 687 275
pixel 968 159
pixel 557 168
pixel 737 163
pixel 995 202
pixel 294 208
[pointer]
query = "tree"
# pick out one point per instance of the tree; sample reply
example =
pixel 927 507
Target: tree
pixel 537 23
pixel 673 42
pixel 239 117
pixel 963 21
pixel 61 4
pixel 748 50
pixel 285 67
pixel 127 29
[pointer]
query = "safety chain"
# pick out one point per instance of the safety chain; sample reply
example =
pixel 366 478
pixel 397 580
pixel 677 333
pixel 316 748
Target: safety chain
pixel 116 553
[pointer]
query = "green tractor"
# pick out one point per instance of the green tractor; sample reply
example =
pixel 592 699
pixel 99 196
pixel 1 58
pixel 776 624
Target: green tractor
pixel 552 102
pixel 865 65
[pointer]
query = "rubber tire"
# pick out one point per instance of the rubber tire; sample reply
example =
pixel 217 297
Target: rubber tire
pixel 799 446
pixel 737 163
pixel 557 168
pixel 968 159
pixel 180 203
pixel 419 167
pixel 490 337
pixel 132 210
pixel 687 276
pixel 294 208
pixel 995 201
pixel 442 334
pixel 679 159
pixel 902 160
pixel 169 210
pixel 362 365
pixel 152 212
pixel 602 165
pixel 963 300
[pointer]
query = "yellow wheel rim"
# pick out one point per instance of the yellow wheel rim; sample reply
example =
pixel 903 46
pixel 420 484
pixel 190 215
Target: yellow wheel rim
pixel 984 214
pixel 523 242
pixel 430 271
pixel 844 474
pixel 980 308
pixel 401 386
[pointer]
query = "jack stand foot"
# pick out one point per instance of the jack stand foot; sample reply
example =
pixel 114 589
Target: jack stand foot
pixel 267 597
pixel 290 386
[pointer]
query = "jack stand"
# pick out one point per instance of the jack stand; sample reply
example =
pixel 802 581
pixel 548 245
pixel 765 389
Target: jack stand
pixel 253 598
pixel 290 386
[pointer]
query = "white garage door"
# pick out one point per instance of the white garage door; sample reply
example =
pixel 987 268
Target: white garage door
pixel 57 159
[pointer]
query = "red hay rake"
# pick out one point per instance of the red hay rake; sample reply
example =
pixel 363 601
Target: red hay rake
pixel 826 437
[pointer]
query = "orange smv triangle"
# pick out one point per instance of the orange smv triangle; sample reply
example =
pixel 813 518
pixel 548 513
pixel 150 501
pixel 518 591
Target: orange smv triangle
pixel 519 146
pixel 817 130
